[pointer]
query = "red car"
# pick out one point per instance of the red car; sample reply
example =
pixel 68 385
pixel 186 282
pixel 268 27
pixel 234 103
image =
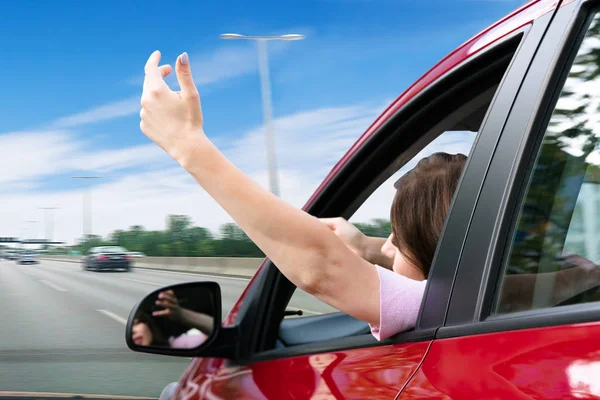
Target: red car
pixel 512 305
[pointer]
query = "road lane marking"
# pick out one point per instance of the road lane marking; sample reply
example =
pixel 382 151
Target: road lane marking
pixel 26 271
pixel 53 285
pixel 145 282
pixel 113 316
pixel 171 272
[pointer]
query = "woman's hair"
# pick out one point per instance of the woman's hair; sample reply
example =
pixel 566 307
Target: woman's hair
pixel 158 339
pixel 421 204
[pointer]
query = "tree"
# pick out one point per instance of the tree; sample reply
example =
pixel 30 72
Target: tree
pixel 376 228
pixel 562 164
pixel 178 227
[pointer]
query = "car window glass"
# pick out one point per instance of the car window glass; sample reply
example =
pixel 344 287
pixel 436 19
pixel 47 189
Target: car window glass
pixel 373 216
pixel 554 255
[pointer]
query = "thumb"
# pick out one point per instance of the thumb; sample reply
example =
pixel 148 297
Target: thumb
pixel 184 76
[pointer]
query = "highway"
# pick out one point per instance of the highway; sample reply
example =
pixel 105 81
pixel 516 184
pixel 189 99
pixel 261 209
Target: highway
pixel 63 328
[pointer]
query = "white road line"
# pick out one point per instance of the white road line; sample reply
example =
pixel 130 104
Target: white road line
pixel 170 272
pixel 144 282
pixel 113 316
pixel 53 285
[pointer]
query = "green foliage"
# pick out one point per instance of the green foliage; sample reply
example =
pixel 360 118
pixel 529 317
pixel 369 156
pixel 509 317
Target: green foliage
pixel 562 164
pixel 376 228
pixel 180 239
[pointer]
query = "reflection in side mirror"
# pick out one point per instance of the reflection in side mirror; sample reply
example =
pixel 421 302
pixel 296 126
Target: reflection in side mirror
pixel 176 318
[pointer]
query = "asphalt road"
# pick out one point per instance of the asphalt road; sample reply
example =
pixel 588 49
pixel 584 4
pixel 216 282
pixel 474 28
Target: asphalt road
pixel 62 329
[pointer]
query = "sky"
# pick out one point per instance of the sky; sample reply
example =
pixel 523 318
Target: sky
pixel 71 83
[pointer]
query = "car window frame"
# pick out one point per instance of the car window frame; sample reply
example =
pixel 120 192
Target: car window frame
pixel 481 269
pixel 255 315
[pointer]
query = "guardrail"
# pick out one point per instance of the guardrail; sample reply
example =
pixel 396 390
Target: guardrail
pixel 244 267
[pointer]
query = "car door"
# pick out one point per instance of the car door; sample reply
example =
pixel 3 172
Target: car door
pixel 524 318
pixel 334 355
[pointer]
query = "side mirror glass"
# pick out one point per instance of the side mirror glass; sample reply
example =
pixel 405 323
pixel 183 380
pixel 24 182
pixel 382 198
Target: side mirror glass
pixel 178 320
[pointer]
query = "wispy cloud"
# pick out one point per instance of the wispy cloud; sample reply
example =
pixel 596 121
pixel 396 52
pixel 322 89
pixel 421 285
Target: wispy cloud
pixel 309 143
pixel 31 157
pixel 230 60
pixel 104 112
pixel 226 62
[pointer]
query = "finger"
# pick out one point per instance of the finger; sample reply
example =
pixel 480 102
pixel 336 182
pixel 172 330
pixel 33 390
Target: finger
pixel 184 76
pixel 160 303
pixel 166 294
pixel 162 313
pixel 165 70
pixel 151 67
pixel 169 296
pixel 153 77
pixel 166 304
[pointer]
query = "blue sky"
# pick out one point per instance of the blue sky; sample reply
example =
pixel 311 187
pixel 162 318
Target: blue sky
pixel 72 74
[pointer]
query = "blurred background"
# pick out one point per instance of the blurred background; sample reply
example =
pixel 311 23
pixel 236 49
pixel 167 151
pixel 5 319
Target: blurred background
pixel 76 172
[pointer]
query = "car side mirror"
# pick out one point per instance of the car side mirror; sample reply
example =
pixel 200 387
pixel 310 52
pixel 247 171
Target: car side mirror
pixel 181 320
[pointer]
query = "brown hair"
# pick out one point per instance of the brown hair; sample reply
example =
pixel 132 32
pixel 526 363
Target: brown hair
pixel 158 339
pixel 421 204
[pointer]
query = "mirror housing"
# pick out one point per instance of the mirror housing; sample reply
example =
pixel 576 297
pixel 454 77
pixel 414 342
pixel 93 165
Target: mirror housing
pixel 181 320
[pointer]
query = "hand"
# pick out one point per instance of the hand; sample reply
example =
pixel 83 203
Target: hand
pixel 350 235
pixel 172 120
pixel 169 302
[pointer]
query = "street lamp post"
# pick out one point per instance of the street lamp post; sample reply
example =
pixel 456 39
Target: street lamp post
pixel 86 205
pixel 34 228
pixel 265 86
pixel 49 222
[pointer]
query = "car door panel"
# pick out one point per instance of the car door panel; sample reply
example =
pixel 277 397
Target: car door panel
pixel 549 353
pixel 373 373
pixel 297 331
pixel 544 363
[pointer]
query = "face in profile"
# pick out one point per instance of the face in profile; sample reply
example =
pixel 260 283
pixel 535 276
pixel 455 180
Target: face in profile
pixel 401 265
pixel 141 333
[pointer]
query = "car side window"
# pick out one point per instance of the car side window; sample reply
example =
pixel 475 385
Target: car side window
pixel 373 217
pixel 555 249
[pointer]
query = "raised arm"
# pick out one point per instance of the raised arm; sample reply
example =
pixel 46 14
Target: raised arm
pixel 366 247
pixel 304 250
pixel 171 309
pixel 202 322
pixel 518 289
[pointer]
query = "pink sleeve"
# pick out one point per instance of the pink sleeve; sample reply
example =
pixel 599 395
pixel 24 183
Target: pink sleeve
pixel 187 341
pixel 399 303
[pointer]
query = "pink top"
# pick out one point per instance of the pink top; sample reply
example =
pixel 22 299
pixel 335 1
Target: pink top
pixel 399 302
pixel 187 341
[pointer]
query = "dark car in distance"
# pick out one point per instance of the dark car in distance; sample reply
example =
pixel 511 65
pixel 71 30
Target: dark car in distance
pixel 107 258
pixel 26 257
